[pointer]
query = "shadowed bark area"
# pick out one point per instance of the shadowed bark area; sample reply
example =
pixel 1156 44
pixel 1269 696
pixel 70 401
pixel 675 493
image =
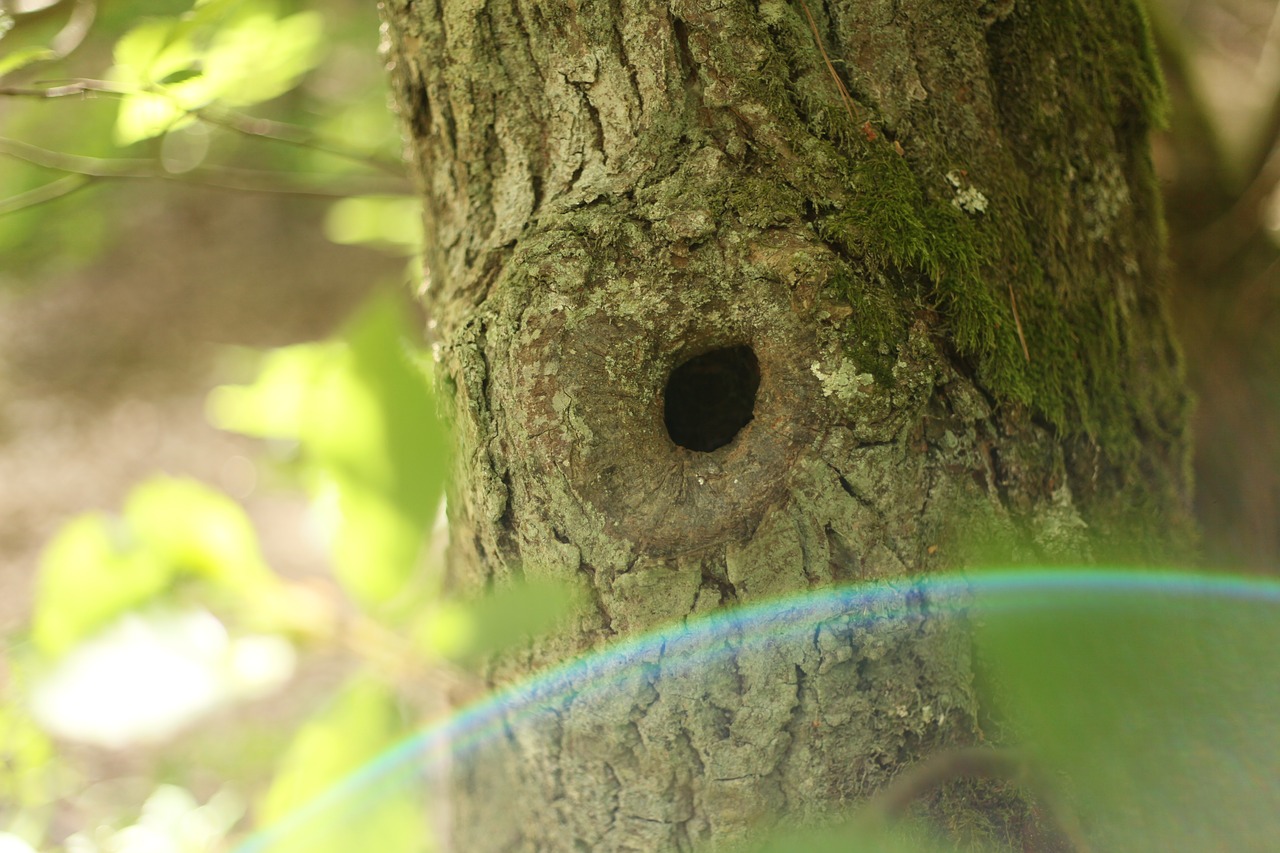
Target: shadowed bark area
pixel 949 283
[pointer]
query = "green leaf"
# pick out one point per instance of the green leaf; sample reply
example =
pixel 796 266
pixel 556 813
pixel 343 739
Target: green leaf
pixel 375 451
pixel 362 724
pixel 145 115
pixel 180 76
pixel 92 571
pixel 198 531
pixel 1159 709
pixel 275 405
pixel 26 759
pixel 469 630
pixel 235 54
pixel 257 57
pixel 393 222
pixel 97 568
pixel 376 544
pixel 153 50
pixel 25 56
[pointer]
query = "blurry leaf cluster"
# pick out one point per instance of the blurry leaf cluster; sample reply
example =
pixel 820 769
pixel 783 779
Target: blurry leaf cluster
pixel 92 99
pixel 369 443
pixel 223 52
pixel 155 621
pixel 148 621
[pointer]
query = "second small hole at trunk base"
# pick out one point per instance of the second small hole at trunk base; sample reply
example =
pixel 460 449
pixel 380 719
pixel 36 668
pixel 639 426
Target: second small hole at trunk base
pixel 711 397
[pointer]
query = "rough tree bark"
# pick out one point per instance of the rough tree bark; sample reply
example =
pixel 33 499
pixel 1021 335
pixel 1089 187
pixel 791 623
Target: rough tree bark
pixel 939 295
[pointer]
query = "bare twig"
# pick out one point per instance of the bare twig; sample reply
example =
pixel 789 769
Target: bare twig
pixel 51 92
pixel 831 68
pixel 73 33
pixel 242 180
pixel 44 193
pixel 83 86
pixel 275 131
pixel 292 134
pixel 1268 137
pixel 1017 324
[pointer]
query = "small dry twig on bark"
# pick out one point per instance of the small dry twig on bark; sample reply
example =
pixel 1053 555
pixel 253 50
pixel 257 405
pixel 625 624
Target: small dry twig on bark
pixel 831 68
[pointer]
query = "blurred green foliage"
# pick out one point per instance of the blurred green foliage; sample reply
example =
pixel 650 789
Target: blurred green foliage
pixel 223 52
pixel 1158 706
pixel 147 90
pixel 158 90
pixel 363 722
pixel 370 443
pixel 98 567
pixel 467 630
pixel 154 88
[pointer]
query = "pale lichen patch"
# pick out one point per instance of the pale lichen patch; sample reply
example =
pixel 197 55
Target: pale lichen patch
pixel 967 197
pixel 845 383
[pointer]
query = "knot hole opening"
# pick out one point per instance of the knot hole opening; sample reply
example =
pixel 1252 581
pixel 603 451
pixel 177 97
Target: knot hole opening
pixel 711 397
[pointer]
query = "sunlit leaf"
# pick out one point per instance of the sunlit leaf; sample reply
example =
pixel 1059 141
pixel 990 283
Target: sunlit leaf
pixel 468 630
pixel 394 222
pixel 258 57
pixel 97 568
pixel 93 570
pixel 375 545
pixel 345 429
pixel 25 758
pixel 24 57
pixel 199 531
pixel 153 50
pixel 362 411
pixel 233 54
pixel 275 405
pixel 363 723
pixel 145 115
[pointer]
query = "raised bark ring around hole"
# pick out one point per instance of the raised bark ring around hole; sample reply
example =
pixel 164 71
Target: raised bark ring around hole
pixel 594 410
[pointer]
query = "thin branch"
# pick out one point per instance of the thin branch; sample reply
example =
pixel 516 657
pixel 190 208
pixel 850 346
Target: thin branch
pixel 76 29
pixel 52 92
pixel 1268 137
pixel 1267 143
pixel 261 128
pixel 1017 324
pixel 1194 134
pixel 45 193
pixel 70 36
pixel 292 134
pixel 242 180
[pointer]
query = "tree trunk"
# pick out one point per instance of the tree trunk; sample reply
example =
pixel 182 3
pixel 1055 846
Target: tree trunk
pixel 745 298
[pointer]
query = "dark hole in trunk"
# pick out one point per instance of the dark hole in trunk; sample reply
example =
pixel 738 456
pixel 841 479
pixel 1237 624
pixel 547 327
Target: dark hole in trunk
pixel 711 397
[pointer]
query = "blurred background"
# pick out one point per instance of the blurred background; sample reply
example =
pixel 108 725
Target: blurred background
pixel 212 386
